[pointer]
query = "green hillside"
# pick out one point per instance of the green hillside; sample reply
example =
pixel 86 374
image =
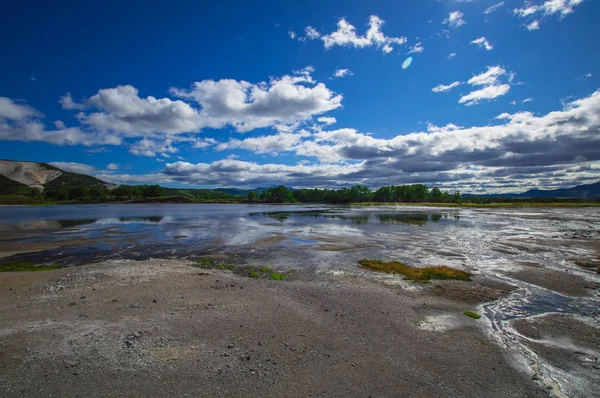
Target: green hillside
pixel 69 180
pixel 10 187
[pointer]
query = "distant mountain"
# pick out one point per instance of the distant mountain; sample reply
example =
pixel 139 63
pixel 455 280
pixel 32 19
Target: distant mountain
pixel 586 191
pixel 15 176
pixel 237 191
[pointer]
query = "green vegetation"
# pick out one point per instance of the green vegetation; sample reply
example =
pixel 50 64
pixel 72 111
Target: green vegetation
pixel 277 277
pixel 413 273
pixel 416 193
pixel 253 274
pixel 472 314
pixel 265 269
pixel 226 266
pixel 26 266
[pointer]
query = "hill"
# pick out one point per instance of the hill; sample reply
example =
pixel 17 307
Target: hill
pixel 585 191
pixel 17 176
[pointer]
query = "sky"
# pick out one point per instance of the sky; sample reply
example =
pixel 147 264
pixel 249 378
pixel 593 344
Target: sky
pixel 479 96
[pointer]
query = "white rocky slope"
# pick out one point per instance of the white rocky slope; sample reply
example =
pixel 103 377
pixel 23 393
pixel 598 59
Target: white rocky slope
pixel 31 174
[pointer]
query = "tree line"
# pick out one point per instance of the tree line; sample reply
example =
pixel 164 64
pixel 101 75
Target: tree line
pixel 99 193
pixel 359 193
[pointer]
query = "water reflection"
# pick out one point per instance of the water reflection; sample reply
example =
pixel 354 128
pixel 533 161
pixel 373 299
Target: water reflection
pixel 154 219
pixel 411 218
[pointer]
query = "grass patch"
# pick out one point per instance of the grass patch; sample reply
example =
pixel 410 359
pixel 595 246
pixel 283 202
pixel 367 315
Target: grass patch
pixel 277 277
pixel 265 269
pixel 413 273
pixel 472 314
pixel 27 266
pixel 226 266
pixel 253 274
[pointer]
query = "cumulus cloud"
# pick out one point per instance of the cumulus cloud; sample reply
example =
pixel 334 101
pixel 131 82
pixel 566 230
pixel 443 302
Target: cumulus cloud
pixel 116 116
pixel 482 42
pixel 246 106
pixel 282 142
pixel 493 87
pixel 454 19
pixel 440 88
pixel 151 148
pixel 486 93
pixel 533 25
pixel 533 12
pixel 292 34
pixel 559 148
pixel 73 167
pixel 343 73
pixel 112 166
pixel 20 122
pixel 417 48
pixel 346 36
pixel 327 120
pixel 493 8
pixel 10 110
pixel 67 103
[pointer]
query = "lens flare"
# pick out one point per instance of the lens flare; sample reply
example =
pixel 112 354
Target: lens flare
pixel 406 62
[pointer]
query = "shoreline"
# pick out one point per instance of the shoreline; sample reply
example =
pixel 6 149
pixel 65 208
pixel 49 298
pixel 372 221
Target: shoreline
pixel 179 329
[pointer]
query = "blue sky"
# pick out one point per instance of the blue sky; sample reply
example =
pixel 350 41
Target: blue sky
pixel 499 96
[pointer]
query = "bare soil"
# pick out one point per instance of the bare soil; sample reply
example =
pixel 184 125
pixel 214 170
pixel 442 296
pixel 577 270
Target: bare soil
pixel 165 328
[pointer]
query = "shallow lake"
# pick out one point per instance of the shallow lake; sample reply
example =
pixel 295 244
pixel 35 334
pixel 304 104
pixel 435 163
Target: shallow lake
pixel 496 243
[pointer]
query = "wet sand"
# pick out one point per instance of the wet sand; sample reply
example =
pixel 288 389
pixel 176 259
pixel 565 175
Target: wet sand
pixel 165 328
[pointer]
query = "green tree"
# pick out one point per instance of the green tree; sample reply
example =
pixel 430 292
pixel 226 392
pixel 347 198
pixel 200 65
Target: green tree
pixel 78 193
pixel 152 191
pixel 253 197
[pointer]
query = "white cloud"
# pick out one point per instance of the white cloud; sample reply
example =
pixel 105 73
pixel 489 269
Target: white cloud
pixel 343 73
pixel 150 148
pixel 560 147
pixel 526 100
pixel 67 103
pixel 327 120
pixel 59 124
pixel 440 88
pixel 451 55
pixel 346 36
pixel 417 48
pixel 204 143
pixel 292 34
pixel 122 111
pixel 533 25
pixel 488 77
pixel 587 75
pixel 486 93
pixel 246 106
pixel 282 142
pixel 491 80
pixel 454 19
pixel 311 33
pixel 73 167
pixel 13 111
pixel 562 8
pixel 493 8
pixel 112 166
pixel 482 42
pixel 115 115
pixel 19 122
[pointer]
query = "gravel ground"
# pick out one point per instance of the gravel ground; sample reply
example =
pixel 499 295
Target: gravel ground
pixel 165 328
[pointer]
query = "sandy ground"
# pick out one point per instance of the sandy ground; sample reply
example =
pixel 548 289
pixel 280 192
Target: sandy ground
pixel 165 328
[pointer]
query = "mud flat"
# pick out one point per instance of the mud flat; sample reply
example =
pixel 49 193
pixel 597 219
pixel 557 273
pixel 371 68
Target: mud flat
pixel 166 328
